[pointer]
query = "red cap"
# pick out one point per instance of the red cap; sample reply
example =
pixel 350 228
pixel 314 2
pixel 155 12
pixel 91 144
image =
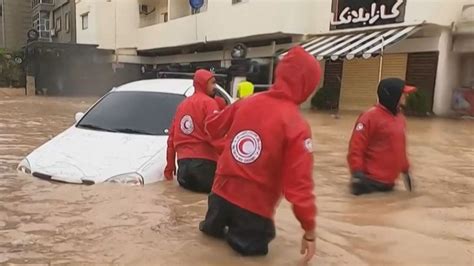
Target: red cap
pixel 409 89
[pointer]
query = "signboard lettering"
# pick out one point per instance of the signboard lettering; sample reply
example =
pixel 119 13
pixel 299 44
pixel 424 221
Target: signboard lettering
pixel 363 13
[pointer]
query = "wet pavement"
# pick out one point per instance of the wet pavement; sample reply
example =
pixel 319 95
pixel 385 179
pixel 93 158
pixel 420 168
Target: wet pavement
pixel 42 222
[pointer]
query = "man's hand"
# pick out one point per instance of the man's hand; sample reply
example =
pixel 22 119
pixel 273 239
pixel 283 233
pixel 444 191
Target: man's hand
pixel 407 180
pixel 170 172
pixel 308 246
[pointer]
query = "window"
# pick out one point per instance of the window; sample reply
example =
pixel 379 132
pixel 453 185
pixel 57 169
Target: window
pixel 133 112
pixel 67 21
pixel 41 23
pixel 1 10
pixel 85 21
pixel 57 26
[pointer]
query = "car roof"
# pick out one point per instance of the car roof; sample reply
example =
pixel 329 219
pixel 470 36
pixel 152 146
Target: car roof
pixel 174 86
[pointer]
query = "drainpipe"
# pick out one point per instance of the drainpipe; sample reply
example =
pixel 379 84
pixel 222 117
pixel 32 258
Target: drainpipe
pixel 3 25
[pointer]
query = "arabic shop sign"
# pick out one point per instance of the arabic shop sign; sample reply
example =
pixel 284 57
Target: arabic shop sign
pixel 364 13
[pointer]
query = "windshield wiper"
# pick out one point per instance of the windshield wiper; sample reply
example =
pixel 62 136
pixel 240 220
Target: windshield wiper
pixel 94 127
pixel 133 131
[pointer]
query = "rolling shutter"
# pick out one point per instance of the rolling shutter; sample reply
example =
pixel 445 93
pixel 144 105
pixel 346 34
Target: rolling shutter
pixel 361 77
pixel 359 81
pixel 395 66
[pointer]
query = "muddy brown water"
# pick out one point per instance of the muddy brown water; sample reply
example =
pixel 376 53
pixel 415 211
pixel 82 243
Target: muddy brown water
pixel 42 222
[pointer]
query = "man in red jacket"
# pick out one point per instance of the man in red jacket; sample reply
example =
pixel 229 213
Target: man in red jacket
pixel 267 154
pixel 377 150
pixel 196 152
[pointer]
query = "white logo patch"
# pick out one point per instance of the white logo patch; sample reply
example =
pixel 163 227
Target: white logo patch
pixel 187 125
pixel 359 127
pixel 246 147
pixel 308 145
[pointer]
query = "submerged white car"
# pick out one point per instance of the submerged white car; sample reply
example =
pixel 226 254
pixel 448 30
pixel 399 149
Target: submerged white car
pixel 120 139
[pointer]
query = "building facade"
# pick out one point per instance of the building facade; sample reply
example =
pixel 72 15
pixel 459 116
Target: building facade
pixel 41 18
pixel 63 18
pixel 428 43
pixel 15 21
pixel 55 20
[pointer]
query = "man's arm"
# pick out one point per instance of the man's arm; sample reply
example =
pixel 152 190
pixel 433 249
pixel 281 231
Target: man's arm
pixel 298 182
pixel 170 169
pixel 298 186
pixel 218 123
pixel 358 144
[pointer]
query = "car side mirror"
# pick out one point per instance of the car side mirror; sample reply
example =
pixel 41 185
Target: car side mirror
pixel 79 116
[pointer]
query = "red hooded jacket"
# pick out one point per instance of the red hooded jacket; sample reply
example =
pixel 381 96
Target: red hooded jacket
pixel 378 145
pixel 186 136
pixel 268 147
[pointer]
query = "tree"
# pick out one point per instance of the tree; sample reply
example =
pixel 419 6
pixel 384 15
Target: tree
pixel 11 71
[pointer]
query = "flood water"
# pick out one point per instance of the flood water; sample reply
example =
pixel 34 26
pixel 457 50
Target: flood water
pixel 43 222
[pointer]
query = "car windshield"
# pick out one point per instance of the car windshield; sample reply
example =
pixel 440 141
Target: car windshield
pixel 148 113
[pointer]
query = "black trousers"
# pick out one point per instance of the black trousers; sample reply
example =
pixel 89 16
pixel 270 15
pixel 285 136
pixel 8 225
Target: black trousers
pixel 196 174
pixel 360 186
pixel 247 233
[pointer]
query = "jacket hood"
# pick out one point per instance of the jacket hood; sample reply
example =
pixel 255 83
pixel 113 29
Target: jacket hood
pixel 201 77
pixel 297 75
pixel 389 93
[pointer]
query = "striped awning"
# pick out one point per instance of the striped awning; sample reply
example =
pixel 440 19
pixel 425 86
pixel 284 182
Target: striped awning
pixel 364 44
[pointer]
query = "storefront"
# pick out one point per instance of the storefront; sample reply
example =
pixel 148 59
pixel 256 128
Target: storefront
pixel 370 40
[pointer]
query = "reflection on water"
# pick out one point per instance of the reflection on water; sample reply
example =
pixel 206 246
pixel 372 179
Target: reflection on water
pixel 42 222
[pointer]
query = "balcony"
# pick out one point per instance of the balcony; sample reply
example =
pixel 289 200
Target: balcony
pixel 154 12
pixel 465 25
pixel 42 5
pixel 226 21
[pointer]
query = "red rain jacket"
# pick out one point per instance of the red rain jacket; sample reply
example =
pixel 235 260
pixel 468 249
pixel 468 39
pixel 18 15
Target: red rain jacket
pixel 186 136
pixel 268 147
pixel 378 145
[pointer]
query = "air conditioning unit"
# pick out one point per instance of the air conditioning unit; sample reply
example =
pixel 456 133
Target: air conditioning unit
pixel 143 9
pixel 53 32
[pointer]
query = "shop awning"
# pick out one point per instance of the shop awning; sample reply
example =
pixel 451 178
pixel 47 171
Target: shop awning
pixel 356 44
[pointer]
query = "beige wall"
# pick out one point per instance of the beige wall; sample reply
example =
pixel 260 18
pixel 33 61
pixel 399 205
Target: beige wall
pixel 112 24
pixel 90 35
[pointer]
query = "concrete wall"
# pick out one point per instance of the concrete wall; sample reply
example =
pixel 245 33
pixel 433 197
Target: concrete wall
pixel 179 9
pixel 17 18
pixel 113 24
pixel 61 8
pixel 89 35
pixel 127 24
